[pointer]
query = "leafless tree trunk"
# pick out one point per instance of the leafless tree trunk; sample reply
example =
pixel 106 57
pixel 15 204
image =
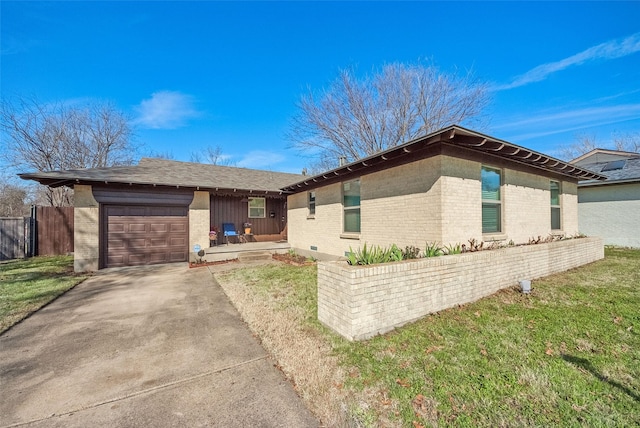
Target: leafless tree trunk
pixel 357 118
pixel 47 137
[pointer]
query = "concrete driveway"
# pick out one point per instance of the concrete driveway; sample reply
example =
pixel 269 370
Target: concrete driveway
pixel 157 346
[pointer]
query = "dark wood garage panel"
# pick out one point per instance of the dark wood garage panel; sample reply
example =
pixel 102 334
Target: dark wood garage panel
pixel 143 235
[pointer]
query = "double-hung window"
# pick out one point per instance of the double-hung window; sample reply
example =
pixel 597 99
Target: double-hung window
pixel 556 223
pixel 257 207
pixel 491 200
pixel 312 204
pixel 351 206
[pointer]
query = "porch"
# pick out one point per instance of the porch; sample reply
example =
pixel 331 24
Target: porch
pixel 246 249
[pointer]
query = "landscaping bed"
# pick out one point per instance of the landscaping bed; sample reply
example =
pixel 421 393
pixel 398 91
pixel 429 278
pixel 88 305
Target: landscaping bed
pixel 359 301
pixel 293 259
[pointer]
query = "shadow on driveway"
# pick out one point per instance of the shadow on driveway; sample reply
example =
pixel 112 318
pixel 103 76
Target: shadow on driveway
pixel 146 346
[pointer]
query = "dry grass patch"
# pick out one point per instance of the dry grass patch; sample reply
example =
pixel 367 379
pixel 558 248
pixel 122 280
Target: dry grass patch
pixel 268 297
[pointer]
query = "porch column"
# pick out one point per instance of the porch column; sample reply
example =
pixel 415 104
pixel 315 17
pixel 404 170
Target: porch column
pixel 86 232
pixel 199 218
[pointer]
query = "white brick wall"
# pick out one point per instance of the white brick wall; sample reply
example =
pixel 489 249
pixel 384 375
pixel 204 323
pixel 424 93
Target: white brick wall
pixel 86 249
pixel 359 301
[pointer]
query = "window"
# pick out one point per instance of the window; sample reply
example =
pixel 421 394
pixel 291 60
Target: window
pixel 491 200
pixel 351 205
pixel 554 187
pixel 312 203
pixel 257 207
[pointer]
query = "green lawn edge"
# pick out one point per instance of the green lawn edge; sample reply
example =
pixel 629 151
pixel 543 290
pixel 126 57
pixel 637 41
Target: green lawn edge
pixel 27 285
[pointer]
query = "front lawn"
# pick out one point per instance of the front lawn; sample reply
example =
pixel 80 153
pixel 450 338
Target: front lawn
pixel 568 354
pixel 27 285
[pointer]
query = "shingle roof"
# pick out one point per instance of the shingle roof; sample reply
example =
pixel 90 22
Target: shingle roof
pixel 628 173
pixel 161 172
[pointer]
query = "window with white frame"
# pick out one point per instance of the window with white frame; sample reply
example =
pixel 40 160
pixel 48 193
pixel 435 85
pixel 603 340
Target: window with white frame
pixel 312 203
pixel 491 200
pixel 556 223
pixel 257 207
pixel 351 206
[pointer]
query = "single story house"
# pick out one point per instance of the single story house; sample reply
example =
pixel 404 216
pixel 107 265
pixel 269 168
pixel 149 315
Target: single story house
pixel 611 208
pixel 447 187
pixel 158 210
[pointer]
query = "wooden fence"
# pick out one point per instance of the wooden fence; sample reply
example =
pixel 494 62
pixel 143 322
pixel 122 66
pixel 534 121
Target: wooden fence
pixel 54 227
pixel 48 232
pixel 15 234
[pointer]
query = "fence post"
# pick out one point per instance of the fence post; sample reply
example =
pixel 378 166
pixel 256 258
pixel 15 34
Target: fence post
pixel 33 237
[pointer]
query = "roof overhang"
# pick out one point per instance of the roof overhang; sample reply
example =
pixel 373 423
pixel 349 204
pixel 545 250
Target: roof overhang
pixel 608 182
pixel 455 136
pixel 50 179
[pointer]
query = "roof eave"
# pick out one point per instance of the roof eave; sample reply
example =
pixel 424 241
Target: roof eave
pixel 608 182
pixel 458 136
pixel 71 181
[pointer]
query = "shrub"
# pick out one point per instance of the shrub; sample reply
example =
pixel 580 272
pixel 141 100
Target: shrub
pixel 410 252
pixel 433 250
pixel 453 249
pixel 374 254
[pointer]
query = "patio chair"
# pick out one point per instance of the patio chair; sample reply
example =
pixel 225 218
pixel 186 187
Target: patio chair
pixel 229 229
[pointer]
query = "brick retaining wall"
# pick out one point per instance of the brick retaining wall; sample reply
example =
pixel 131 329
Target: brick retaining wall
pixel 359 302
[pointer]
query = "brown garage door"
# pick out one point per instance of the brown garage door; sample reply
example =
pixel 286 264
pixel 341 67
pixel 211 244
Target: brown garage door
pixel 143 235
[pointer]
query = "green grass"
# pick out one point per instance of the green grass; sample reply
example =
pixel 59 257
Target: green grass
pixel 568 354
pixel 27 285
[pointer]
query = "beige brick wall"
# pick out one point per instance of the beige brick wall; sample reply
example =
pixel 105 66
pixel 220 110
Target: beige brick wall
pixel 361 301
pixel 432 200
pixel 199 219
pixel 322 230
pixel 526 204
pixel 569 207
pixel 461 201
pixel 86 238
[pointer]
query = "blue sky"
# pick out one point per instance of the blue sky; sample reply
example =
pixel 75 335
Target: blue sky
pixel 228 74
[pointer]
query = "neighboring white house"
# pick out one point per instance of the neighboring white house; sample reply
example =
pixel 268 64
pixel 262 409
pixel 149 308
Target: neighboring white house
pixel 611 208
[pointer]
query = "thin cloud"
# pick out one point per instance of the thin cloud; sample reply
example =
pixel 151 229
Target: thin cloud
pixel 608 50
pixel 166 110
pixel 569 120
pixel 12 46
pixel 260 159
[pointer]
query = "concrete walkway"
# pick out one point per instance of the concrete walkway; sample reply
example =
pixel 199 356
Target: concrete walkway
pixel 157 346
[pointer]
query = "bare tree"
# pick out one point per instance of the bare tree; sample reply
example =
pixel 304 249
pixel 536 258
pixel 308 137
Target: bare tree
pixel 357 118
pixel 629 142
pixel 212 155
pixel 584 143
pixel 14 200
pixel 45 137
pixel 168 155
